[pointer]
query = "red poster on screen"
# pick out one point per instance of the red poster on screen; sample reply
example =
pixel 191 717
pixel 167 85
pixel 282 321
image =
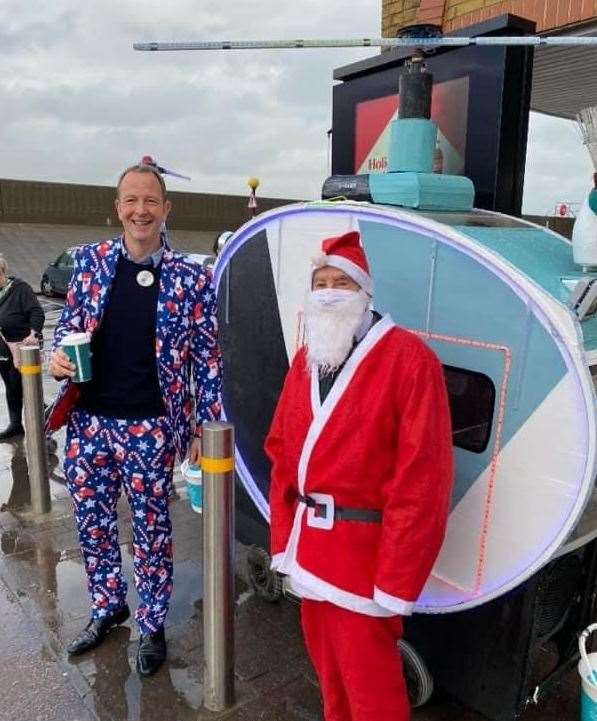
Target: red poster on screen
pixel 449 109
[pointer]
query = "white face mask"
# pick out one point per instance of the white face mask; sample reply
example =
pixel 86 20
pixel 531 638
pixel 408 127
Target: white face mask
pixel 332 317
pixel 331 297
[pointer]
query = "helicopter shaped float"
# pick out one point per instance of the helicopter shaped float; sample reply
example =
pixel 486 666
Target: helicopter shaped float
pixel 513 320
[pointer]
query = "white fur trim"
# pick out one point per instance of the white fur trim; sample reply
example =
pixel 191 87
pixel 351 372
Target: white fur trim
pixel 319 261
pixel 393 603
pixel 277 559
pixel 352 270
pixel 322 412
pixel 307 585
pixel 291 546
pixel 315 398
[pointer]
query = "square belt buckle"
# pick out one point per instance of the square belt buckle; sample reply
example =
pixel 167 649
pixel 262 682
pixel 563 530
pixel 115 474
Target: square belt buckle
pixel 322 516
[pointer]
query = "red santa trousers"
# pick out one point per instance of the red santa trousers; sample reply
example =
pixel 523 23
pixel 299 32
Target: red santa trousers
pixel 357 661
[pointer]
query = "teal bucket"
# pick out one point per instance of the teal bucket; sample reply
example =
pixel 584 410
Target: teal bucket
pixel 587 668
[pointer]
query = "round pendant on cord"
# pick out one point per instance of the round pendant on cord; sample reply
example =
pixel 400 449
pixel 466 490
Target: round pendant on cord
pixel 145 278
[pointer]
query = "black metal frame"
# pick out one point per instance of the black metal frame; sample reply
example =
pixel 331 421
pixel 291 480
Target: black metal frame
pixel 487 657
pixel 499 103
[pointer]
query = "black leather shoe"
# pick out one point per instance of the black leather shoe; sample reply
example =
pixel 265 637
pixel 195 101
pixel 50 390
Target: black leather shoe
pixel 96 631
pixel 152 653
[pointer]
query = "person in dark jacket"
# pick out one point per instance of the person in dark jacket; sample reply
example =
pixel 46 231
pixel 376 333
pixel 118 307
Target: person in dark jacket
pixel 21 321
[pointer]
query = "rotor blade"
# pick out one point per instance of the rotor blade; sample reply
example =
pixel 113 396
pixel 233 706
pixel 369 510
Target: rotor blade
pixel 408 42
pixel 165 171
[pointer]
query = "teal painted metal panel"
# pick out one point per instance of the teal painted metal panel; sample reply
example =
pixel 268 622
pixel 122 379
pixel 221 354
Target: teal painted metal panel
pixel 472 305
pixel 426 191
pixel 412 144
pixel 406 259
pixel 542 257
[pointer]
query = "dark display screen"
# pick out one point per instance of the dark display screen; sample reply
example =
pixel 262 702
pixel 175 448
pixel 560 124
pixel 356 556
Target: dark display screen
pixel 481 102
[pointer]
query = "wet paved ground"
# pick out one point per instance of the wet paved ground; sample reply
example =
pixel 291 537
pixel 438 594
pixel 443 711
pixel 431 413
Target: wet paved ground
pixel 43 603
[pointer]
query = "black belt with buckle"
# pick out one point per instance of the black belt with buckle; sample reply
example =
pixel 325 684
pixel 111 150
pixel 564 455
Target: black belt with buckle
pixel 369 515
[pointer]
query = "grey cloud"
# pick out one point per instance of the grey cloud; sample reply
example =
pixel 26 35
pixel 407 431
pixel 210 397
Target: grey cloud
pixel 82 111
pixel 558 166
pixel 23 33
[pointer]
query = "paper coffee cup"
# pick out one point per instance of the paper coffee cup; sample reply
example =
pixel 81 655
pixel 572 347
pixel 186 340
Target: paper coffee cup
pixel 78 348
pixel 194 478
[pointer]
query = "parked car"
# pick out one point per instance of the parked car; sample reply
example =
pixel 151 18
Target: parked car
pixel 56 277
pixel 207 261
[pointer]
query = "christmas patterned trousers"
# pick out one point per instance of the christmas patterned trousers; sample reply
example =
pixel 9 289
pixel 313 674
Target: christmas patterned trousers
pixel 102 455
pixel 357 662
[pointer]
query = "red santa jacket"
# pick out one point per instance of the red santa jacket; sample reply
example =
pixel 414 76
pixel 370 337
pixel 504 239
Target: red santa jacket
pixel 380 440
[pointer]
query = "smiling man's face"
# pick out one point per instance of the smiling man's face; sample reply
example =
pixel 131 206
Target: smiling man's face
pixel 141 208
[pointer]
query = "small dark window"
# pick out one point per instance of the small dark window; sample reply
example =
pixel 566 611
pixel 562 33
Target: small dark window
pixel 472 399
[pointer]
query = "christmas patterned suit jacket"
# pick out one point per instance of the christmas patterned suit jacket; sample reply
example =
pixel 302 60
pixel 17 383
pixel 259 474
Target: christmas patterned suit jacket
pixel 186 334
pixel 380 440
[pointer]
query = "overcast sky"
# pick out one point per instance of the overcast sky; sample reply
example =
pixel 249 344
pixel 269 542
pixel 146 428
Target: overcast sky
pixel 78 104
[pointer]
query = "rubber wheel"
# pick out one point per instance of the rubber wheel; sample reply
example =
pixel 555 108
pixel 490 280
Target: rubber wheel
pixel 419 682
pixel 46 287
pixel 265 582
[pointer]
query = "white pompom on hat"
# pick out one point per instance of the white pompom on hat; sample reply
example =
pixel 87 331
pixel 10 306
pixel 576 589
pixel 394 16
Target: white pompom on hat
pixel 346 253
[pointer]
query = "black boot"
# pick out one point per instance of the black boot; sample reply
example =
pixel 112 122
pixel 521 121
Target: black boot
pixel 152 652
pixel 14 427
pixel 96 631
pixel 14 401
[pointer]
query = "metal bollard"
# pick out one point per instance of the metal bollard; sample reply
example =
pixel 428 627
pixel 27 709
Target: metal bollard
pixel 35 442
pixel 217 463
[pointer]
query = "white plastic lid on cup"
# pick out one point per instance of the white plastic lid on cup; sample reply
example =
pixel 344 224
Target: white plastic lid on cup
pixel 190 472
pixel 75 339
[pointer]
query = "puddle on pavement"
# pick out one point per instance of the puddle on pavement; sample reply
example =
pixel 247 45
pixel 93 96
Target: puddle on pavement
pixel 17 542
pixel 119 693
pixel 47 574
pixel 54 580
pixel 15 494
pixel 14 482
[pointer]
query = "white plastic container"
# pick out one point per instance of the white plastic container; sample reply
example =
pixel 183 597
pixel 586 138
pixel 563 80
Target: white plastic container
pixel 194 478
pixel 584 237
pixel 587 668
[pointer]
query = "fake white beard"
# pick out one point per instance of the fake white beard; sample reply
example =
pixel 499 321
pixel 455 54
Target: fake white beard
pixel 332 317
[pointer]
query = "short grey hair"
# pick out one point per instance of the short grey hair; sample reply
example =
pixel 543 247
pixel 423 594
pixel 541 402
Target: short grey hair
pixel 142 168
pixel 3 264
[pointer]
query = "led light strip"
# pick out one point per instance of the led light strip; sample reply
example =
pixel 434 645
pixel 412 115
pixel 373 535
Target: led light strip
pixel 499 426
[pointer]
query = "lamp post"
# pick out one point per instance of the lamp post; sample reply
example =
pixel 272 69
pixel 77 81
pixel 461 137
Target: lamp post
pixel 253 184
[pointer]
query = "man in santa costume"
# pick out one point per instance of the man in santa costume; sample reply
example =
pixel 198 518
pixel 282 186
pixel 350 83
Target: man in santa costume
pixel 361 477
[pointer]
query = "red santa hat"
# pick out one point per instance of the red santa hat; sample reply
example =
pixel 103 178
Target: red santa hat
pixel 346 253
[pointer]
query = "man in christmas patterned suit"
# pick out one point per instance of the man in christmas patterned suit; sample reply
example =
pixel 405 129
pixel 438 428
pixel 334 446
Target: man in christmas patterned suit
pixel 151 317
pixel 361 477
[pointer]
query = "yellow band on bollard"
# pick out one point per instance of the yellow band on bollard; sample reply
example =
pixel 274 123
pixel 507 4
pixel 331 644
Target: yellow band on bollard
pixel 30 370
pixel 217 465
